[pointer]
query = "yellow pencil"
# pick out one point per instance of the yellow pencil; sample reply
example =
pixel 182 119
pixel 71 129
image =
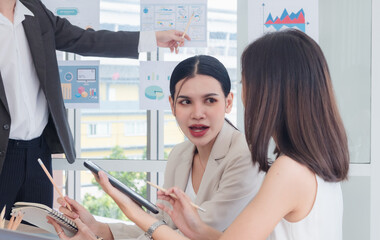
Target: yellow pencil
pixel 187 26
pixel 2 221
pixel 52 181
pixel 17 221
pixel 174 196
pixel 10 224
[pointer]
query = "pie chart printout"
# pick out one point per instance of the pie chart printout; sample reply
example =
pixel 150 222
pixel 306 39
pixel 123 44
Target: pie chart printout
pixel 154 92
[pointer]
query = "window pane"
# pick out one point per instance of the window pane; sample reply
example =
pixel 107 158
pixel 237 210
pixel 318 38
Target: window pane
pixel 99 203
pixel 118 129
pixel 222 45
pixel 118 125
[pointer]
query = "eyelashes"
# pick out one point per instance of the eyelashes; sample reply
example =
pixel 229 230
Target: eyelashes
pixel 188 101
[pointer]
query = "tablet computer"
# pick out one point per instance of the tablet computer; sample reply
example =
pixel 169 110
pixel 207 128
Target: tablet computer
pixel 122 187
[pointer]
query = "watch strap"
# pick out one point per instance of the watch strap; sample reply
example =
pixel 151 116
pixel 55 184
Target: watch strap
pixel 153 227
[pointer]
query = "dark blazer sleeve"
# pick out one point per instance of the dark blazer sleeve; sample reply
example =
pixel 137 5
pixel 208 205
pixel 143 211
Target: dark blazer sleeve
pixel 103 43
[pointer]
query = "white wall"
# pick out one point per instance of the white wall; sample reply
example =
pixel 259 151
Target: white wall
pixel 350 39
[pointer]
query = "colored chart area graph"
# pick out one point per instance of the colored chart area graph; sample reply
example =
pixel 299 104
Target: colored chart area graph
pixel 294 20
pixel 154 93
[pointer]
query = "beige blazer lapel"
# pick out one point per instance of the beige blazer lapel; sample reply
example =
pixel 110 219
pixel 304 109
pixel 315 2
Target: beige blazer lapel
pixel 219 151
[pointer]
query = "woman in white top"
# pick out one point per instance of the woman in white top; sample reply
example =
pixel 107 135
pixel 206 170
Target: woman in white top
pixel 288 96
pixel 209 166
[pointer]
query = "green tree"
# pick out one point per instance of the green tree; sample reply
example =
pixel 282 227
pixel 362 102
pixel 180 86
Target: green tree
pixel 104 205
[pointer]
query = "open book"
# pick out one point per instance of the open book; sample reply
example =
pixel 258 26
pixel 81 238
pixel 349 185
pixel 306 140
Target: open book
pixel 35 213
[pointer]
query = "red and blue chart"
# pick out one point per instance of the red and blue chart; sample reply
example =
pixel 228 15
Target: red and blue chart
pixel 294 20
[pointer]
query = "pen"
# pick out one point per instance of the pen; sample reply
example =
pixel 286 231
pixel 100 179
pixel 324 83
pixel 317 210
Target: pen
pixel 174 196
pixel 52 181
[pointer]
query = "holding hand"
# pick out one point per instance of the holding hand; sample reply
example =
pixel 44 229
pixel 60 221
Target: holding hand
pixel 127 205
pixel 100 229
pixel 171 39
pixel 184 215
pixel 84 233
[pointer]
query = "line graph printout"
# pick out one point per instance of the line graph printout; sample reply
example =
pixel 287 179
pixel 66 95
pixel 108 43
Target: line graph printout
pixel 275 15
pixel 154 85
pixel 175 14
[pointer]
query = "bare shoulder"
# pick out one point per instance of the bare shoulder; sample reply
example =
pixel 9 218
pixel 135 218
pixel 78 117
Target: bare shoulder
pixel 289 176
pixel 285 166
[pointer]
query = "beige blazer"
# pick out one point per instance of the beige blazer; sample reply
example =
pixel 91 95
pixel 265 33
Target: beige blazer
pixel 229 182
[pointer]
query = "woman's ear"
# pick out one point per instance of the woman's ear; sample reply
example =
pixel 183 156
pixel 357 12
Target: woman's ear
pixel 229 101
pixel 172 105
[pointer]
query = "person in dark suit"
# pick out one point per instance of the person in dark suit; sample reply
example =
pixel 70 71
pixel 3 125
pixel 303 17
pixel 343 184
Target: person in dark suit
pixel 33 121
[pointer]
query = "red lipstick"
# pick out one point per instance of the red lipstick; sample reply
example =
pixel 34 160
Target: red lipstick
pixel 198 130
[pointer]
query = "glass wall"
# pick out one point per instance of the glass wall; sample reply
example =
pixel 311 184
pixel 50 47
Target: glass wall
pixel 118 129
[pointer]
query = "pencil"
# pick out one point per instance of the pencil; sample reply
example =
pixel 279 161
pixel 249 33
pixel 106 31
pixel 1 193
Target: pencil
pixel 174 196
pixel 187 26
pixel 10 224
pixel 2 221
pixel 52 181
pixel 17 221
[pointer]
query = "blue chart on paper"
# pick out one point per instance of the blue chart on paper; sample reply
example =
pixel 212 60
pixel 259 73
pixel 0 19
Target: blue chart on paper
pixel 154 92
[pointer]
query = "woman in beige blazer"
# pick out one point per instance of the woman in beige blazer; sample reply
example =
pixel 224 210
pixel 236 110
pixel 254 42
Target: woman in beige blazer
pixel 208 166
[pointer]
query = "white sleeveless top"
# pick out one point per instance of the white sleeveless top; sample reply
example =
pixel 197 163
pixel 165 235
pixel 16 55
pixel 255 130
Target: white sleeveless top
pixel 324 221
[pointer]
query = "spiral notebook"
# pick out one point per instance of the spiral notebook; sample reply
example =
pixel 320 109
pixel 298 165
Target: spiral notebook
pixel 35 213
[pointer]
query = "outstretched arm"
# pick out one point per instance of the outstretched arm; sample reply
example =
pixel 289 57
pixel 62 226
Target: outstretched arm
pixel 288 192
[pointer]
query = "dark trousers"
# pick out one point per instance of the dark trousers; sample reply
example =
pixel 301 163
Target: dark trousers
pixel 22 178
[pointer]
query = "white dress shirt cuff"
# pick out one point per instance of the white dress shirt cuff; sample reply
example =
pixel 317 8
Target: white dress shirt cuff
pixel 147 41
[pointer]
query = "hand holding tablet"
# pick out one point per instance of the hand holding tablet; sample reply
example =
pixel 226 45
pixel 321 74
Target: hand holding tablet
pixel 122 187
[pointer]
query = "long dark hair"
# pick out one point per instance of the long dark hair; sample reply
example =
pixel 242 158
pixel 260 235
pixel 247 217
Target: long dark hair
pixel 289 96
pixel 203 65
